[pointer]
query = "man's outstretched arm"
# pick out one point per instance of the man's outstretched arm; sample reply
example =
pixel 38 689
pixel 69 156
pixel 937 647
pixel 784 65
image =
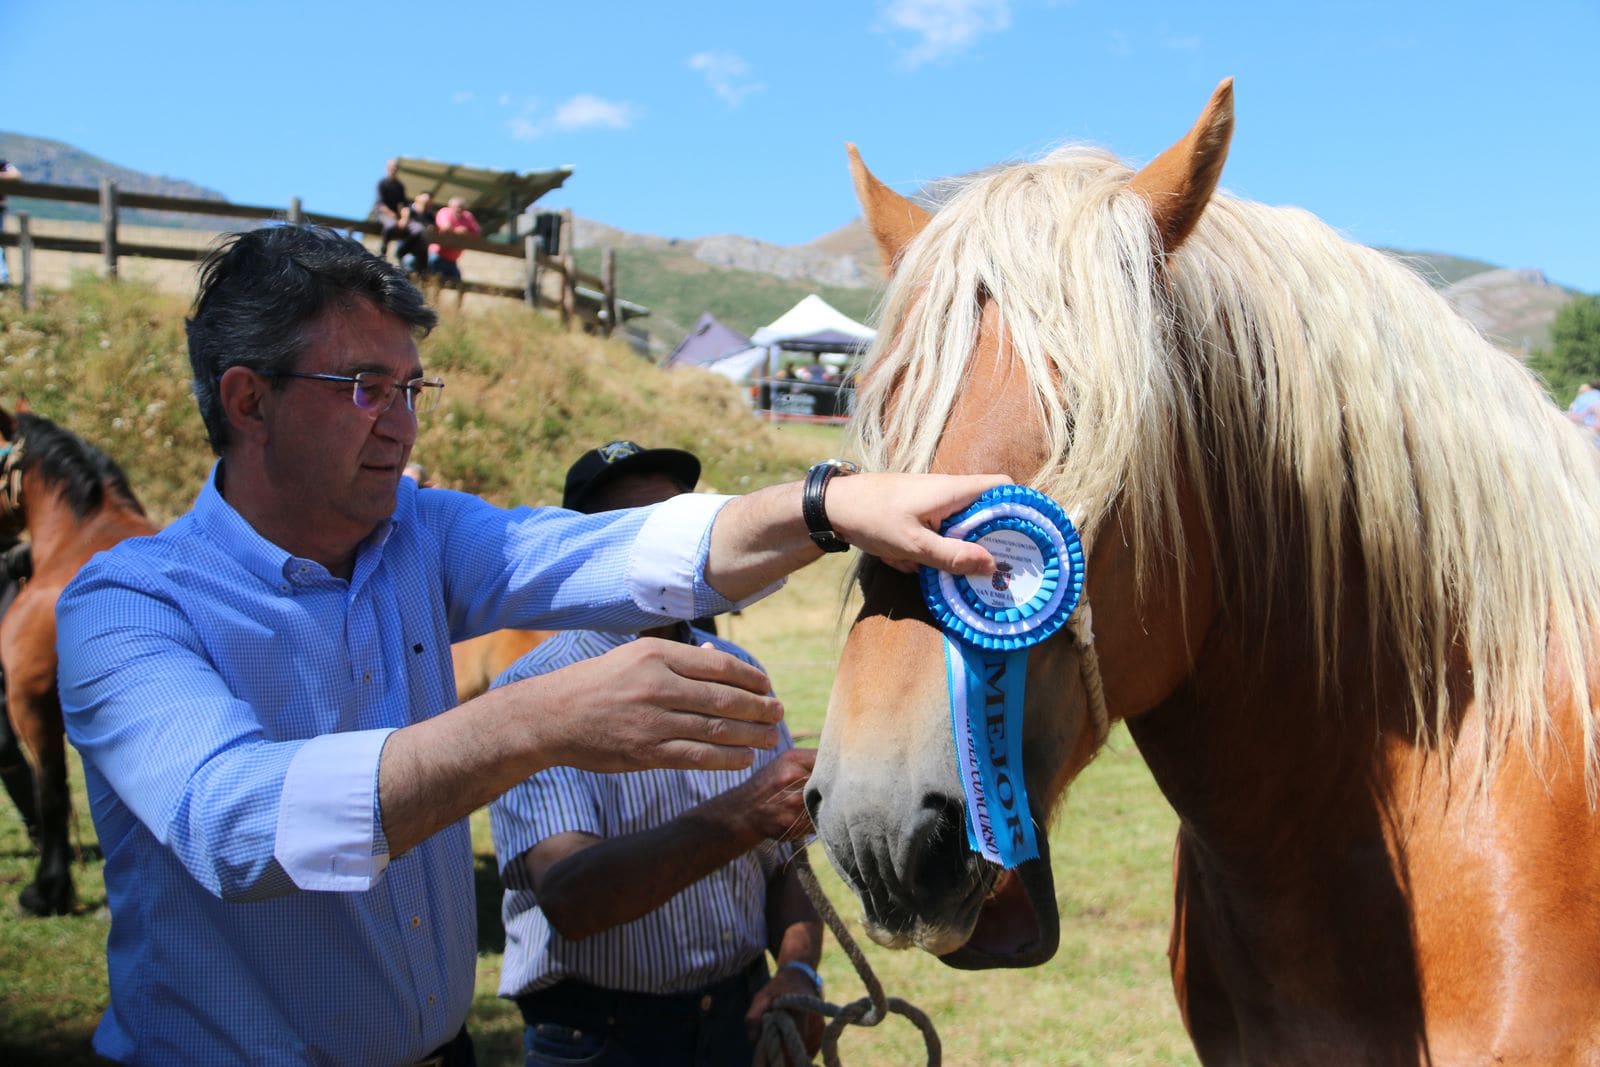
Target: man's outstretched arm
pixel 759 538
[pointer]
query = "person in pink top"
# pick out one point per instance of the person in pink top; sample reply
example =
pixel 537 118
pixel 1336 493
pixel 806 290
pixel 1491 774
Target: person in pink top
pixel 452 218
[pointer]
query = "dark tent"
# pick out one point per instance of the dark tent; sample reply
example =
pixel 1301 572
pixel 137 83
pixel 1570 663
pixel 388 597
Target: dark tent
pixel 824 341
pixel 708 342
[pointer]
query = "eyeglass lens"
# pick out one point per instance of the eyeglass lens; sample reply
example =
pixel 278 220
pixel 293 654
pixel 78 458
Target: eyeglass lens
pixel 375 392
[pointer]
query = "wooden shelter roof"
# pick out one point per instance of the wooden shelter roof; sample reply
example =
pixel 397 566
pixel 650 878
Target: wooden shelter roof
pixel 494 197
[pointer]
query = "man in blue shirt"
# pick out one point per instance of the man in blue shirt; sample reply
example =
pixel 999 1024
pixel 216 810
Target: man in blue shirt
pixel 262 693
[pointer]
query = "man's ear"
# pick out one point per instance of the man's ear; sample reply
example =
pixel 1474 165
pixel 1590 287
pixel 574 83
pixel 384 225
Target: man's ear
pixel 242 392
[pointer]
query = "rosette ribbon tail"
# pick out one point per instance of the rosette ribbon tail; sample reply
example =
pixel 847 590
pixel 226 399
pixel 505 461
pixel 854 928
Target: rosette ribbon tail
pixel 989 624
pixel 986 690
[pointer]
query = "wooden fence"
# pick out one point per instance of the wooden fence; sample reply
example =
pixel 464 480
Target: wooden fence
pixel 583 298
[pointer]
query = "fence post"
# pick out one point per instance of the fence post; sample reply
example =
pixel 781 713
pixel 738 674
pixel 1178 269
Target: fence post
pixel 296 216
pixel 25 254
pixel 569 289
pixel 608 304
pixel 531 247
pixel 108 221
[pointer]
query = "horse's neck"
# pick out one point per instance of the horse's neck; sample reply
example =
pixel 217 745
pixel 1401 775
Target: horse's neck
pixel 61 541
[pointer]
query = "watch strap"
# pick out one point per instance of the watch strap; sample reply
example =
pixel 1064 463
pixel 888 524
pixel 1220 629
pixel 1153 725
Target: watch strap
pixel 813 504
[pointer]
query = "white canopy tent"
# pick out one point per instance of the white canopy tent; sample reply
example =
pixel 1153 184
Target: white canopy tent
pixel 812 325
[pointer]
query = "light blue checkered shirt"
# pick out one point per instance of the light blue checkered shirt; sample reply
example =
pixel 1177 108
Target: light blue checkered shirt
pixel 231 703
pixel 704 933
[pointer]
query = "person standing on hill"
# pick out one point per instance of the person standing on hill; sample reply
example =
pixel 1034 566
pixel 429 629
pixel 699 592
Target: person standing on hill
pixel 390 204
pixel 639 908
pixel 261 693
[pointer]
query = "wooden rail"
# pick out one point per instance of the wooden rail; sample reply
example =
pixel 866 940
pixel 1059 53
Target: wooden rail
pixel 600 307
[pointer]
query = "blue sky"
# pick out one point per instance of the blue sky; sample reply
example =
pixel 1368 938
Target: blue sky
pixel 1467 127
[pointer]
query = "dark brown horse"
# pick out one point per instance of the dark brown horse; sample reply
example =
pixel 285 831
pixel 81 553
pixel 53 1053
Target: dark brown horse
pixel 1346 596
pixel 74 501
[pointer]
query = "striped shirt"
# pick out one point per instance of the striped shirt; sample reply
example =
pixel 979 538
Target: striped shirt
pixel 231 703
pixel 708 931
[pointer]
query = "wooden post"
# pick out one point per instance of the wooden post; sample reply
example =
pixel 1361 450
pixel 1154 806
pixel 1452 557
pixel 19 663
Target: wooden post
pixel 296 215
pixel 569 288
pixel 608 305
pixel 108 222
pixel 25 254
pixel 569 260
pixel 532 247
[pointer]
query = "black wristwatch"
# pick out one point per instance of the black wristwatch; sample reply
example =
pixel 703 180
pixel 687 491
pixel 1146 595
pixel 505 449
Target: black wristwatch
pixel 812 506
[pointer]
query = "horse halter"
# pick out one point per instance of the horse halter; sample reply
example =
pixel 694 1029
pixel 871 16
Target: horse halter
pixel 11 482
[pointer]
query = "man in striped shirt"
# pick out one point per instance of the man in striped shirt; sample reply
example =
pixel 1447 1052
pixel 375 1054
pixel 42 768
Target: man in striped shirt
pixel 639 907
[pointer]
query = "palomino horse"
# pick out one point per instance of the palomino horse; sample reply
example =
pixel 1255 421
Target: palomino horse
pixel 478 661
pixel 1342 564
pixel 74 502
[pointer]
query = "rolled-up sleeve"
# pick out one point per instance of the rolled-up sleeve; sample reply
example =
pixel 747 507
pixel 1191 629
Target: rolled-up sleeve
pixel 330 834
pixel 147 709
pixel 666 569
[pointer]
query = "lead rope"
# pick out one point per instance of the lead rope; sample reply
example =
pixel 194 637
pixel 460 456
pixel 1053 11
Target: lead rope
pixel 781 1044
pixel 1082 627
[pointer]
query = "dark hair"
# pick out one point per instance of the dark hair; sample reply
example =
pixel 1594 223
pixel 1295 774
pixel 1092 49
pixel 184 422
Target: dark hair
pixel 259 290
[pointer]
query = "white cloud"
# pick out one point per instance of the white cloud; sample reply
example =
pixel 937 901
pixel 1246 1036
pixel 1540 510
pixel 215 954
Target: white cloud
pixel 725 73
pixel 461 96
pixel 585 111
pixel 943 28
pixel 1190 43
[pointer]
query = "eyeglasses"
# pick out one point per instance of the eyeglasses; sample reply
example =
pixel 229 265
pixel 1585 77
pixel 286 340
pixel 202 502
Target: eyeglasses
pixel 374 392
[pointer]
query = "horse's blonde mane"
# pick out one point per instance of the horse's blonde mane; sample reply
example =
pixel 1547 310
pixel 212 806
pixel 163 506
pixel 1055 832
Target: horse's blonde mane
pixel 1280 371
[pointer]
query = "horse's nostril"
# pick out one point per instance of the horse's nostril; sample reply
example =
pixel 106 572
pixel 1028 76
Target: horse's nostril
pixel 947 808
pixel 813 803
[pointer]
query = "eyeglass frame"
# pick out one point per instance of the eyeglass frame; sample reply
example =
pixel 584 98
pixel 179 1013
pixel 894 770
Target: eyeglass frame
pixel 411 388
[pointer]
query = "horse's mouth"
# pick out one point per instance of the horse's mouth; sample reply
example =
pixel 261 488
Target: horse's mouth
pixel 1006 919
pixel 1018 924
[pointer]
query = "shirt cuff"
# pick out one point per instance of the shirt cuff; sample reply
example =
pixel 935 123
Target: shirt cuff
pixel 666 567
pixel 328 816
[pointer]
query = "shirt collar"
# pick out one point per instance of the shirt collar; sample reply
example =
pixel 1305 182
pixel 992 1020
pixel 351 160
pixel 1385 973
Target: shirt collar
pixel 275 566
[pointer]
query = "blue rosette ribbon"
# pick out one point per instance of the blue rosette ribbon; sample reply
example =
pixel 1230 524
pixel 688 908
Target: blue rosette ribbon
pixel 989 624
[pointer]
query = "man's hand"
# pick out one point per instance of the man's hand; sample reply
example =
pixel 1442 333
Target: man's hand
pixel 896 517
pixel 653 703
pixel 787 980
pixel 772 801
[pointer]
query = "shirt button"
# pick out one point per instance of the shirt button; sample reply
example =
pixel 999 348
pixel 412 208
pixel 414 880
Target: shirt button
pixel 367 677
pixel 432 999
pixel 416 921
pixel 705 1002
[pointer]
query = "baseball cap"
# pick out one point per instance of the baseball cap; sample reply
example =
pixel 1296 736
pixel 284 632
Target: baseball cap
pixel 598 467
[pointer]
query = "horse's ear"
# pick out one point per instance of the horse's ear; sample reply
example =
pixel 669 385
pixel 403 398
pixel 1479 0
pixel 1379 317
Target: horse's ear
pixel 1179 182
pixel 893 219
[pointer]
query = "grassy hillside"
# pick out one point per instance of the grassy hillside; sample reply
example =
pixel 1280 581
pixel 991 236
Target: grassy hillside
pixel 522 398
pixel 677 288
